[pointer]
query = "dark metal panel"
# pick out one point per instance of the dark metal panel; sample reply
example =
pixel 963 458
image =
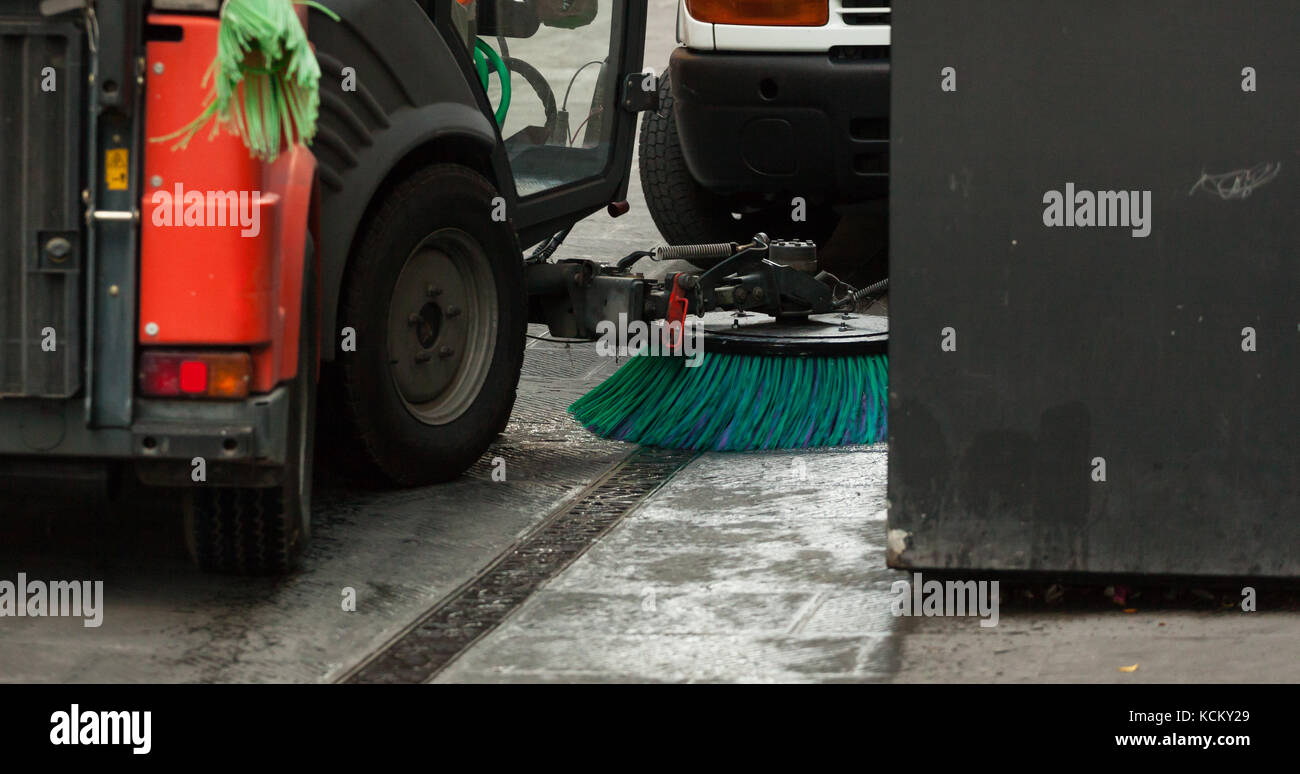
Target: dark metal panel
pixel 1076 344
pixel 56 428
pixel 41 255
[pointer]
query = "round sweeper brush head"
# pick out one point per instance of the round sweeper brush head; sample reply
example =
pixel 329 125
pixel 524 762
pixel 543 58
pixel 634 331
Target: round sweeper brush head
pixel 755 383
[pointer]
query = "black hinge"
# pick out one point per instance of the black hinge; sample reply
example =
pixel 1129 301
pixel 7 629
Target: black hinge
pixel 640 92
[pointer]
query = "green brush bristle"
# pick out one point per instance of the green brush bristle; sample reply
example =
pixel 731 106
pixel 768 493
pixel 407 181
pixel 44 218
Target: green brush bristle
pixel 741 402
pixel 266 79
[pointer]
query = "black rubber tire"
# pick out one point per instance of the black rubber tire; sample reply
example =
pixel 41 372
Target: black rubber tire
pixel 396 446
pixel 265 530
pixel 686 213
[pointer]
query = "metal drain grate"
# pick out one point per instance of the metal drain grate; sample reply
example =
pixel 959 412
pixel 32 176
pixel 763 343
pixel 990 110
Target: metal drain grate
pixel 479 606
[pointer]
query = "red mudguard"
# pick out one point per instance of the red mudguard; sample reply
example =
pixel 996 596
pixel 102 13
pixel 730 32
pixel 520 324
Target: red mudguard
pixel 213 272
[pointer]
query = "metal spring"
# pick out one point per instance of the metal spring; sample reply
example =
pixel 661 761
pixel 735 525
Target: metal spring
pixel 872 291
pixel 694 252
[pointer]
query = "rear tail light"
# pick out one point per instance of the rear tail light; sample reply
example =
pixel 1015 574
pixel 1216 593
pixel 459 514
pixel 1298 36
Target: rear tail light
pixel 784 13
pixel 195 374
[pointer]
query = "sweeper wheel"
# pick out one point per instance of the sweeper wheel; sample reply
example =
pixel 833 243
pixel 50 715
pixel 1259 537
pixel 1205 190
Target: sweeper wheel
pixel 436 295
pixel 264 530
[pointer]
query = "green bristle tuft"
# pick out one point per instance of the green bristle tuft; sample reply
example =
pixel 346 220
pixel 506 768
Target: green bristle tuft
pixel 265 79
pixel 741 402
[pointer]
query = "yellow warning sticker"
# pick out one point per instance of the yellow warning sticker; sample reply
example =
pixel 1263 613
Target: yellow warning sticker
pixel 115 169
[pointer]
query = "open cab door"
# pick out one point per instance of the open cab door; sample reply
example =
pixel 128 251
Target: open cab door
pixel 567 108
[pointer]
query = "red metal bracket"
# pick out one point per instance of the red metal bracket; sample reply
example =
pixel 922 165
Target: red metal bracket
pixel 678 305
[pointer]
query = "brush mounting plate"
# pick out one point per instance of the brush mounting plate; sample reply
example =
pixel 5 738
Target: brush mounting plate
pixel 818 335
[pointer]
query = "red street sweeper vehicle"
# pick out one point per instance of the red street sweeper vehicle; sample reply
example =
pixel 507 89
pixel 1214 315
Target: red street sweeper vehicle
pixel 170 308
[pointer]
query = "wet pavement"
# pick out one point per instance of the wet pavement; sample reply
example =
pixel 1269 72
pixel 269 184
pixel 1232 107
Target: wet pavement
pixel 399 551
pixel 745 566
pixel 740 567
pixel 752 567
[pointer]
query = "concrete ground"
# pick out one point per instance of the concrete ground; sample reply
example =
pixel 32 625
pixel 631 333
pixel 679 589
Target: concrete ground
pixel 751 567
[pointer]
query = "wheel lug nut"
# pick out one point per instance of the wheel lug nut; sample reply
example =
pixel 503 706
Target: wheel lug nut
pixel 413 318
pixel 423 357
pixel 446 352
pixel 432 292
pixel 452 311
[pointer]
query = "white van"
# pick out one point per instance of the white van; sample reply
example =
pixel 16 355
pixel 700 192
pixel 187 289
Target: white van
pixel 774 114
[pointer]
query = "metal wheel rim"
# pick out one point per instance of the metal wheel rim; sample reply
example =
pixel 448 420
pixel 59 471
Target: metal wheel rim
pixel 442 326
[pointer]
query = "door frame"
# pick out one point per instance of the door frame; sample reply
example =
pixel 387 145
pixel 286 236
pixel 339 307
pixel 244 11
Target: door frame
pixel 538 216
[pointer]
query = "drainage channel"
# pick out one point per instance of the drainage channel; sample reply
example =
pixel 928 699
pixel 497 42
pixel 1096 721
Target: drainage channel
pixel 472 611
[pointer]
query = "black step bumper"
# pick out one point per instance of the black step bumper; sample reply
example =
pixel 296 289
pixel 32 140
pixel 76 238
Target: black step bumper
pixel 812 125
pixel 251 430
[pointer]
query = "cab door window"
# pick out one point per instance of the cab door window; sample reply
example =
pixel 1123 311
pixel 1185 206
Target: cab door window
pixel 558 119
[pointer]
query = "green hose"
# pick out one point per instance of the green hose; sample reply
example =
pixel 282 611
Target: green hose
pixel 483 55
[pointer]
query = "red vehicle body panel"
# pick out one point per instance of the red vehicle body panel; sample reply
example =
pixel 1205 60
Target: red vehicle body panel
pixel 205 283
